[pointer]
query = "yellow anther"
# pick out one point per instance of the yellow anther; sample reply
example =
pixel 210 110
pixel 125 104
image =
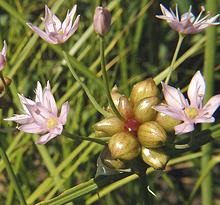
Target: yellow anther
pixel 51 123
pixel 191 112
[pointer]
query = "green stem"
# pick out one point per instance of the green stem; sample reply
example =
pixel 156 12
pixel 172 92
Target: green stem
pixel 180 40
pixel 75 137
pixel 12 177
pixel 105 79
pixel 209 64
pixel 85 88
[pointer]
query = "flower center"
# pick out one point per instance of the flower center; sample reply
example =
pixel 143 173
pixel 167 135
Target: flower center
pixel 51 123
pixel 191 112
pixel 131 125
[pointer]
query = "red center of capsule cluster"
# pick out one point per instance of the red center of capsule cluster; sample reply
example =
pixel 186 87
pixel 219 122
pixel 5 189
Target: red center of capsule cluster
pixel 131 125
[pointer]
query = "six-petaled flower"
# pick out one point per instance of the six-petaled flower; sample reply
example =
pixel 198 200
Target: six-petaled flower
pixel 55 31
pixel 41 115
pixel 191 113
pixel 187 23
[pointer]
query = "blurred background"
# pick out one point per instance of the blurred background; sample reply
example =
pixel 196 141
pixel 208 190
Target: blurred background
pixel 138 46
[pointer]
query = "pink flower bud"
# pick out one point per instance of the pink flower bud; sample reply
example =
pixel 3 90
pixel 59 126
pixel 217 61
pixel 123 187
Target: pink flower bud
pixel 101 20
pixel 3 56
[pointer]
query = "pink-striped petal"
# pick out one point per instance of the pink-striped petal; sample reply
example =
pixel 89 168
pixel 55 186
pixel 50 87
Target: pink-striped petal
pixel 39 93
pixel 31 128
pixel 21 119
pixel 184 128
pixel 42 34
pixel 174 97
pixel 67 23
pixel 74 28
pixel 4 49
pixel 49 101
pixel 172 112
pixel 64 112
pixel 196 90
pixel 212 105
pixel 45 138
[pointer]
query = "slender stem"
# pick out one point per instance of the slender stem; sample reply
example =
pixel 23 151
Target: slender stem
pixel 12 177
pixel 85 88
pixel 180 40
pixel 209 64
pixel 105 79
pixel 75 137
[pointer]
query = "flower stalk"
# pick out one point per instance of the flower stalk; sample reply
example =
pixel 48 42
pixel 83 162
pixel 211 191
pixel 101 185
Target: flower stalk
pixel 90 139
pixel 12 177
pixel 105 79
pixel 209 64
pixel 171 68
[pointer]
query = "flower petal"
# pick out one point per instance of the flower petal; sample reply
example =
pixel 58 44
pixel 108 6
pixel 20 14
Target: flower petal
pixel 212 105
pixel 64 112
pixel 4 49
pixel 31 128
pixel 39 114
pixel 204 119
pixel 39 93
pixel 45 138
pixel 184 128
pixel 74 28
pixel 166 14
pixel 21 119
pixel 42 34
pixel 49 101
pixel 67 23
pixel 25 101
pixel 170 111
pixel 196 90
pixel 174 97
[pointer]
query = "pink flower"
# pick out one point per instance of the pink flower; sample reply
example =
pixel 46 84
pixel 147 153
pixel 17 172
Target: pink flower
pixel 41 116
pixel 187 23
pixel 55 31
pixel 3 56
pixel 191 113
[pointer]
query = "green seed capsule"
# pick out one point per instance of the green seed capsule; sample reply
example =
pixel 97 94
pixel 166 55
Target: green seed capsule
pixel 151 135
pixel 115 97
pixel 156 158
pixel 143 89
pixel 124 146
pixel 125 107
pixel 101 134
pixel 108 160
pixel 143 110
pixel 109 125
pixel 168 123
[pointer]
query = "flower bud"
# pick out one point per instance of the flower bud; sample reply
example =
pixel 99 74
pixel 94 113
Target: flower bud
pixel 115 97
pixel 168 123
pixel 143 89
pixel 7 82
pixel 143 110
pixel 125 107
pixel 101 20
pixel 108 160
pixel 156 158
pixel 151 135
pixel 2 61
pixel 124 145
pixel 110 125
